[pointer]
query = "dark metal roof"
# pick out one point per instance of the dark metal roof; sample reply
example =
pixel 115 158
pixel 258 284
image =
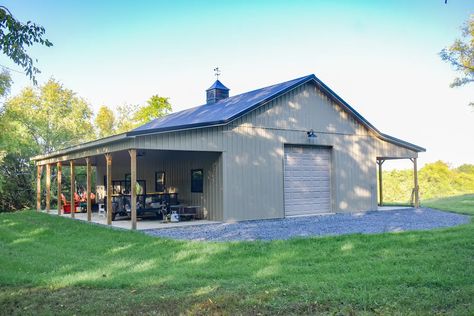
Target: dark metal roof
pixel 227 110
pixel 218 85
pixel 220 112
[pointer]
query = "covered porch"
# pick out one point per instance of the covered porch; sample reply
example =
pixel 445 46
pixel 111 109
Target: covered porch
pixel 160 181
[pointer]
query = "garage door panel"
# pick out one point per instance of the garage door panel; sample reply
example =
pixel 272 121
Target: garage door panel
pixel 307 207
pixel 315 195
pixel 307 180
pixel 308 174
pixel 306 200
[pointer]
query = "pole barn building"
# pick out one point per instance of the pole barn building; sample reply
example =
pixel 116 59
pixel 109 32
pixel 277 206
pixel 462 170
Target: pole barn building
pixel 294 148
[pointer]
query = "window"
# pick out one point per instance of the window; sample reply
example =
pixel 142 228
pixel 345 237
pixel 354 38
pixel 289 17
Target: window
pixel 160 181
pixel 197 180
pixel 127 183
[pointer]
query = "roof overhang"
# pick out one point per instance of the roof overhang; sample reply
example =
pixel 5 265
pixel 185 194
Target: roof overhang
pixel 83 146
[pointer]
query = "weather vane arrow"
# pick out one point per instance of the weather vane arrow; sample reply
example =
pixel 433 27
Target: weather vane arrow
pixel 217 72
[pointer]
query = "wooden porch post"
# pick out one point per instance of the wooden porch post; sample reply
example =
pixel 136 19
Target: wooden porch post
pixel 380 163
pixel 133 183
pixel 73 189
pixel 108 158
pixel 39 171
pixel 415 179
pixel 48 188
pixel 88 190
pixel 59 179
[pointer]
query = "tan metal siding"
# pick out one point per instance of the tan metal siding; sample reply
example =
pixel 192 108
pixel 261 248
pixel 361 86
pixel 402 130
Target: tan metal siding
pixel 386 149
pixel 254 154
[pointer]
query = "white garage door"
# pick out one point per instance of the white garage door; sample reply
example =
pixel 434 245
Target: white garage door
pixel 307 180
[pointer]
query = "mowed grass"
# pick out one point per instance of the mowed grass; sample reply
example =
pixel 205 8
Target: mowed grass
pixel 52 265
pixel 463 204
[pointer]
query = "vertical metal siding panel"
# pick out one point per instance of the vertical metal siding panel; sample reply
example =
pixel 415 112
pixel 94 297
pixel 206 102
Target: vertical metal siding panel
pixel 193 139
pixel 212 186
pixel 171 138
pixel 228 179
pixel 147 142
pixel 222 192
pixel 233 176
pixel 202 143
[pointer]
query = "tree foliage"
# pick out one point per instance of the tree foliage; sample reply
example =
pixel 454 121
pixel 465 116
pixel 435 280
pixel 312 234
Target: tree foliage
pixel 435 180
pixel 5 83
pixel 461 55
pixel 38 120
pixel 156 107
pixel 51 115
pixel 131 116
pixel 125 119
pixel 16 36
pixel 16 182
pixel 105 122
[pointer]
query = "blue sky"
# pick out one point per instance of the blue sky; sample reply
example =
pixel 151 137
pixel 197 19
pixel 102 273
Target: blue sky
pixel 380 56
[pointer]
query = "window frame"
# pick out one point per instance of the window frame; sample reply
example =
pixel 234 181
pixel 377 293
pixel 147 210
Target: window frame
pixel 199 189
pixel 156 180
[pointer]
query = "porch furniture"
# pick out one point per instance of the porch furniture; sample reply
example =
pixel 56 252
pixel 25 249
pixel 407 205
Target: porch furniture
pixel 189 212
pixel 157 204
pixel 101 210
pixel 83 205
pixel 179 208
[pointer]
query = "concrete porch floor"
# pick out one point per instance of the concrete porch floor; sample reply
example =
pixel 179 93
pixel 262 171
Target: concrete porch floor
pixel 142 223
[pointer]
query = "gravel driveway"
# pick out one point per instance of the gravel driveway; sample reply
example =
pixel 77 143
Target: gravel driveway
pixel 321 225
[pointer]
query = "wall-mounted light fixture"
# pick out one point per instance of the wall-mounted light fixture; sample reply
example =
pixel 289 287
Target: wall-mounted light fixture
pixel 311 134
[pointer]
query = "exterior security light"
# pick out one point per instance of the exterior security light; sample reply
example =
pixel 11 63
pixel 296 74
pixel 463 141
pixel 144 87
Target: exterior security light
pixel 311 134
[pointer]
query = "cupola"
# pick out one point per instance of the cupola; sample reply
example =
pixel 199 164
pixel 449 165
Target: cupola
pixel 216 92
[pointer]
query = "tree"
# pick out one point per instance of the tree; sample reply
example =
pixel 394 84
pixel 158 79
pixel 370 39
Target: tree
pixel 105 122
pixel 5 83
pixel 52 116
pixel 36 121
pixel 461 55
pixel 125 120
pixel 16 36
pixel 466 168
pixel 16 182
pixel 131 116
pixel 156 107
pixel 436 180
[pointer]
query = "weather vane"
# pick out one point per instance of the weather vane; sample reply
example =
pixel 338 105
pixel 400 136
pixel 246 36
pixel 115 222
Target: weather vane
pixel 217 72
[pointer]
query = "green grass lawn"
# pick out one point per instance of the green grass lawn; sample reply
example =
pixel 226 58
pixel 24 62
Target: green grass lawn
pixel 463 204
pixel 52 265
